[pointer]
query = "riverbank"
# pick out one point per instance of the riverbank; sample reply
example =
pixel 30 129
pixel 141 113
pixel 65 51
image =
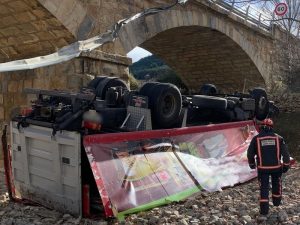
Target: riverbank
pixel 233 206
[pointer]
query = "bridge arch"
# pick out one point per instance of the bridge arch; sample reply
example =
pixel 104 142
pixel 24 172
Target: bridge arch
pixel 209 48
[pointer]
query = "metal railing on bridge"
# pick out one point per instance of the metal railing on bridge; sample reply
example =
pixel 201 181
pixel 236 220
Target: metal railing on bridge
pixel 263 19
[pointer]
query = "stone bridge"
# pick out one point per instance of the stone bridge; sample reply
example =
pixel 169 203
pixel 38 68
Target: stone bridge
pixel 201 42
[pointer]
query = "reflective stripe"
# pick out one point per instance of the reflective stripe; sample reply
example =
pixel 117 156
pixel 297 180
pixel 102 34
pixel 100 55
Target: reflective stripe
pixel 286 164
pixel 276 196
pixel 264 200
pixel 259 152
pixel 266 137
pixel 269 167
pixel 278 151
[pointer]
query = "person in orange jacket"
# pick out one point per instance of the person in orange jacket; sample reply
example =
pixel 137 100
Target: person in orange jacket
pixel 270 150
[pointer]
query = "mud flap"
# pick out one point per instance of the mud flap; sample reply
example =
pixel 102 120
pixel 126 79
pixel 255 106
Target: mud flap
pixel 136 171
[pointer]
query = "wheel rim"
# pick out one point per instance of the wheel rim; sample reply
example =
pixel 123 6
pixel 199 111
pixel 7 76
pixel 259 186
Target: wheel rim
pixel 168 105
pixel 262 103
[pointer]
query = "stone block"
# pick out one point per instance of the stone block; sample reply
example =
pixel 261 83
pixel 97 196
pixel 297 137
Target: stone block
pixel 32 4
pixel 58 82
pixel 59 33
pixel 27 84
pixel 44 35
pixel 13 86
pixel 28 28
pixel 53 22
pixel 10 31
pixel 59 43
pixel 25 17
pixel 78 63
pixel 27 39
pixel 40 83
pixel 2 113
pixel 74 82
pixel 18 6
pixel 9 21
pixel 4 10
pixel 9 52
pixel 41 13
pixel 19 99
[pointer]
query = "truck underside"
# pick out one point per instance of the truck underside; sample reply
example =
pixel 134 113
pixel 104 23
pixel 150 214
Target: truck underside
pixel 110 150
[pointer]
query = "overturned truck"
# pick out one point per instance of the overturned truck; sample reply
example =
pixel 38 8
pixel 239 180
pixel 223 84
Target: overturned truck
pixel 108 150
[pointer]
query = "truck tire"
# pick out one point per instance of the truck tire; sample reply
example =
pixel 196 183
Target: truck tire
pixel 165 103
pixel 261 103
pixel 147 88
pixel 209 102
pixel 107 83
pixel 94 83
pixel 208 89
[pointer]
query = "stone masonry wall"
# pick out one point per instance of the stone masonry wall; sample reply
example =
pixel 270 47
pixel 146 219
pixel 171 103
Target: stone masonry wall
pixel 70 75
pixel 27 29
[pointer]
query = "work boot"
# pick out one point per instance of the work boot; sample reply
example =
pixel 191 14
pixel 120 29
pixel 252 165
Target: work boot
pixel 264 208
pixel 276 202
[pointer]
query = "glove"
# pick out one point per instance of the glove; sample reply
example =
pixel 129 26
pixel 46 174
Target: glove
pixel 285 168
pixel 252 166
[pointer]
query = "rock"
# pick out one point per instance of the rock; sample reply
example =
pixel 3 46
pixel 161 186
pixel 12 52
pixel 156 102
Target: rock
pixel 215 218
pixel 232 210
pixel 243 205
pixel 183 222
pixel 250 223
pixel 66 216
pixel 236 222
pixel 59 222
pixel 233 206
pixel 261 219
pixel 195 207
pixel 176 213
pixel 247 218
pixel 282 216
pixel 243 213
pixel 167 213
pixel 210 204
pixel 8 221
pixel 154 220
pixel 194 221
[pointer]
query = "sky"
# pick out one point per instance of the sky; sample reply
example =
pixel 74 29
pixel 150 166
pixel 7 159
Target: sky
pixel 138 53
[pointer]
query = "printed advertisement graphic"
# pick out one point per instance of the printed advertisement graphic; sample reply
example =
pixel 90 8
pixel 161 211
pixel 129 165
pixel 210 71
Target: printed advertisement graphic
pixel 150 168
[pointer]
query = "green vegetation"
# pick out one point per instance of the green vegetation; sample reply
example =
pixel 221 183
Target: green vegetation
pixel 134 84
pixel 154 69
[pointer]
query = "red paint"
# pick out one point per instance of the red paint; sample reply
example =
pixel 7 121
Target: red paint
pixel 139 135
pixel 281 9
pixel 91 125
pixel 86 201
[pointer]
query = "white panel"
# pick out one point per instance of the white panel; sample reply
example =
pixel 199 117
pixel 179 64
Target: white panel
pixel 46 169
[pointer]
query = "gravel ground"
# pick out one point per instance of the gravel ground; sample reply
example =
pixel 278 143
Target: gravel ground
pixel 234 206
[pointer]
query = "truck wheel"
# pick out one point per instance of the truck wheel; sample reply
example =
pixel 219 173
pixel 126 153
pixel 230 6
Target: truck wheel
pixel 165 103
pixel 94 83
pixel 107 83
pixel 261 103
pixel 208 89
pixel 146 89
pixel 209 102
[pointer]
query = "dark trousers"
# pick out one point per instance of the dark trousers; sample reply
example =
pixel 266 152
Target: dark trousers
pixel 263 179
